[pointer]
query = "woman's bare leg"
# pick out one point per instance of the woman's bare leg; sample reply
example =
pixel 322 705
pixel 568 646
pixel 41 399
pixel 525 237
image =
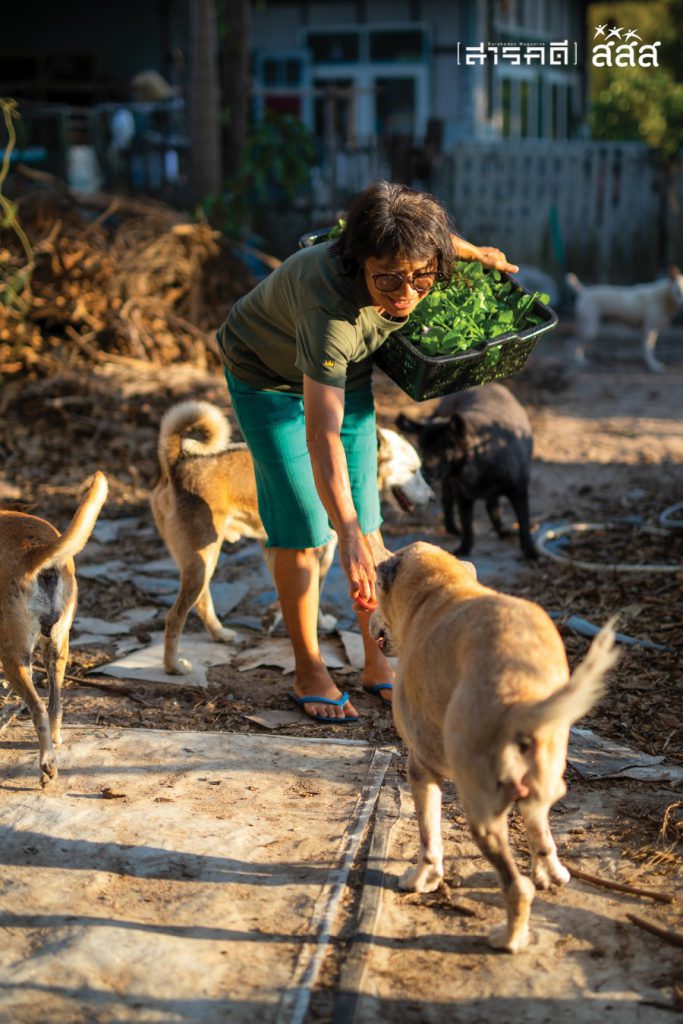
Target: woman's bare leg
pixel 296 579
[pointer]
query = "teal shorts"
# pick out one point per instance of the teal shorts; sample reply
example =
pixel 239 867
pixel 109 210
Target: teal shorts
pixel 273 425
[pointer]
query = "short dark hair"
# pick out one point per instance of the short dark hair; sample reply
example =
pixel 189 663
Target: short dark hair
pixel 389 219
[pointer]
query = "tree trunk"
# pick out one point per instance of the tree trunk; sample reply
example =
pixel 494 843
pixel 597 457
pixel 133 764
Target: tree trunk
pixel 204 102
pixel 235 31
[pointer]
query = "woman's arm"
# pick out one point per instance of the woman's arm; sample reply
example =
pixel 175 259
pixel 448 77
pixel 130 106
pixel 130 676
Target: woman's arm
pixel 324 409
pixel 486 254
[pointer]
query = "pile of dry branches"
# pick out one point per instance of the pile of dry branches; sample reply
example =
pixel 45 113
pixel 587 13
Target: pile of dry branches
pixel 110 275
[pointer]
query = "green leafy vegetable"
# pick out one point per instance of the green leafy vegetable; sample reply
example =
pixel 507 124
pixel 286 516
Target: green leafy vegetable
pixel 335 231
pixel 472 308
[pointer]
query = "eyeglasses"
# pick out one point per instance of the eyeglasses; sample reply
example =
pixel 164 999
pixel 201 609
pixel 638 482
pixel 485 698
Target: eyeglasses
pixel 420 283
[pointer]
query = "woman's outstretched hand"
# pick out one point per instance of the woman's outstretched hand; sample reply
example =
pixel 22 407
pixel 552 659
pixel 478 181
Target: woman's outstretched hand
pixel 486 254
pixel 494 258
pixel 357 561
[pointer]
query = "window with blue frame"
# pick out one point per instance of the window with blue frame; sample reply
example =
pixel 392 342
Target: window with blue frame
pixel 333 47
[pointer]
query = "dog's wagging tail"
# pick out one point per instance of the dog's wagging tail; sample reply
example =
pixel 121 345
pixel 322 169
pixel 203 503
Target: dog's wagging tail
pixel 76 535
pixel 586 685
pixel 197 415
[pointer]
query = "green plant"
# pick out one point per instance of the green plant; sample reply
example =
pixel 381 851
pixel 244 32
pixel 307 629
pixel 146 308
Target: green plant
pixel 274 169
pixel 636 103
pixel 475 306
pixel 14 283
pixel 336 230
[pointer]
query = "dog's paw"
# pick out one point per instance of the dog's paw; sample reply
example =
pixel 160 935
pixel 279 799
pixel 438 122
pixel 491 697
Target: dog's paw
pixel 548 872
pixel 180 667
pixel 48 771
pixel 272 621
pixel 515 941
pixel 224 635
pixel 326 623
pixel 423 878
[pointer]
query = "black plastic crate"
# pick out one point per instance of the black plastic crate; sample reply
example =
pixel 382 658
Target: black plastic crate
pixel 422 376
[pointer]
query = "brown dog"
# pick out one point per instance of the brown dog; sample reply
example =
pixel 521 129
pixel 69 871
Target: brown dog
pixel 37 604
pixel 483 697
pixel 207 494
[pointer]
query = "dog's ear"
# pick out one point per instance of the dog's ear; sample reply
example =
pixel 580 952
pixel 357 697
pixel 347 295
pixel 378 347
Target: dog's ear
pixel 386 571
pixel 407 425
pixel 674 272
pixel 458 426
pixel 470 566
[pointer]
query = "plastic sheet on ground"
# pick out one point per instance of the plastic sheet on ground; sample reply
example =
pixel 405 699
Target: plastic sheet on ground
pixel 114 627
pixel 174 876
pixel 147 663
pixel 595 757
pixel 115 571
pixel 276 652
pixel 353 648
pixel 225 596
pixel 107 530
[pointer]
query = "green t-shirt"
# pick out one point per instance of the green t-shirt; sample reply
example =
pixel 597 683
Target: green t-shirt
pixel 306 317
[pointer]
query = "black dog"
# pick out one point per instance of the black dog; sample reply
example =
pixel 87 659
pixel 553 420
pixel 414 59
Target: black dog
pixel 479 444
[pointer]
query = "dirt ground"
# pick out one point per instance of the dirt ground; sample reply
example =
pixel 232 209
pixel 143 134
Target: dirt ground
pixel 608 450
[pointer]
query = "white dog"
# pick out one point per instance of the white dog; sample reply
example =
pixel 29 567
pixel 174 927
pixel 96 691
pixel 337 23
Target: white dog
pixel 647 306
pixel 399 472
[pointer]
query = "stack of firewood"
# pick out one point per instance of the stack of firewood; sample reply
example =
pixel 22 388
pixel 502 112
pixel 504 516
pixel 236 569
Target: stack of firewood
pixel 109 277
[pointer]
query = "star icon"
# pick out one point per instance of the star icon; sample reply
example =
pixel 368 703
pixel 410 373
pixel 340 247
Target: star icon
pixel 600 30
pixel 632 32
pixel 614 31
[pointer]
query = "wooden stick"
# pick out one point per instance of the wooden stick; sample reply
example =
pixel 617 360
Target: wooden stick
pixel 605 883
pixel 119 691
pixel 675 938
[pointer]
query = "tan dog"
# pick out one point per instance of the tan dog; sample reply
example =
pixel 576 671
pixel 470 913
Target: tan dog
pixel 207 494
pixel 37 605
pixel 483 697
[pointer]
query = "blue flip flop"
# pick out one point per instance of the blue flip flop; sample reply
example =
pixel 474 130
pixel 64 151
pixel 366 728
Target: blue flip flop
pixel 377 689
pixel 339 703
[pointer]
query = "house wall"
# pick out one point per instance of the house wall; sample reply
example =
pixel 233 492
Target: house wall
pixel 275 25
pixel 454 89
pixel 278 27
pixel 465 100
pixel 118 39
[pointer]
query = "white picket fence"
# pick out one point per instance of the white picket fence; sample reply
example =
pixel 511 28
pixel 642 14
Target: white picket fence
pixel 591 207
pixel 605 210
